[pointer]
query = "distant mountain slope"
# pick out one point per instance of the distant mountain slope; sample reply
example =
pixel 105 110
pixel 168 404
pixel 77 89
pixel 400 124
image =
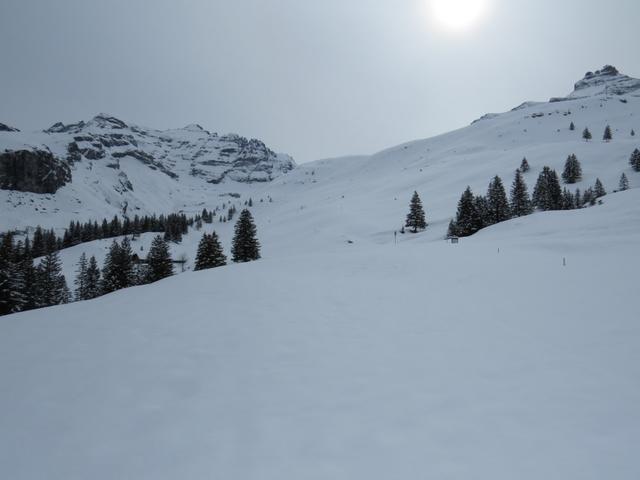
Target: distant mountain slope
pixel 107 166
pixel 365 198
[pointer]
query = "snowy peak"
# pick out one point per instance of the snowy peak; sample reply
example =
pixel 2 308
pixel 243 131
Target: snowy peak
pixel 608 81
pixel 108 122
pixel 119 162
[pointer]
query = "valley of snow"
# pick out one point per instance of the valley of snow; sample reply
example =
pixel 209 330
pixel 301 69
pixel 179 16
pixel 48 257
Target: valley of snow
pixel 341 354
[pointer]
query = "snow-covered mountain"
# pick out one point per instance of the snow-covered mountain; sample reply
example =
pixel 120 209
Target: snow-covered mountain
pixel 114 168
pixel 342 354
pixel 105 166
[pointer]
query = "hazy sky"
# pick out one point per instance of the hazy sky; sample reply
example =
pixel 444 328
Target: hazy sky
pixel 313 79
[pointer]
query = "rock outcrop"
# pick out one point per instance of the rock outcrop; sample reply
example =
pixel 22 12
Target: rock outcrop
pixel 7 128
pixel 35 171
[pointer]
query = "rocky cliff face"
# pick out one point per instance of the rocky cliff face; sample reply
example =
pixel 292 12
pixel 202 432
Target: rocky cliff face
pixel 607 81
pixel 35 171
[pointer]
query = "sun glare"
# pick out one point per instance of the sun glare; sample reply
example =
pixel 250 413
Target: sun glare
pixel 458 14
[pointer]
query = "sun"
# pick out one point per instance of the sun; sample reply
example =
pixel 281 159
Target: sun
pixel 458 14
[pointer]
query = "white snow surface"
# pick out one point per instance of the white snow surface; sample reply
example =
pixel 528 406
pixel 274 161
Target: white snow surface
pixel 365 360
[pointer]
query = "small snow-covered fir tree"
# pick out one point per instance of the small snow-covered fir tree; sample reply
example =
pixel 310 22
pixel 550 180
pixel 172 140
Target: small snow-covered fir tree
pixel 159 260
pixel 246 246
pixel 588 197
pixel 608 135
pixel 624 182
pixel 572 127
pixel 568 200
pixel 520 202
pixel 572 170
pixel 598 189
pixel 467 221
pixel 586 134
pixel 524 166
pixel 210 253
pixel 416 216
pixel 118 271
pixel 92 287
pixel 547 194
pixel 497 202
pixel 52 285
pixel 12 298
pixel 481 205
pixel 578 198
pixel 634 160
pixel 81 278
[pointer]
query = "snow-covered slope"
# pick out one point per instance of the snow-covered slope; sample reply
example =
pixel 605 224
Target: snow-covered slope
pixel 366 197
pixel 343 355
pixel 115 168
pixel 370 362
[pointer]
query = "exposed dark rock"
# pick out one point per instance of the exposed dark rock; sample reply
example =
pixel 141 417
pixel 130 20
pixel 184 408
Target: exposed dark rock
pixel 147 159
pixel 7 128
pixel 34 171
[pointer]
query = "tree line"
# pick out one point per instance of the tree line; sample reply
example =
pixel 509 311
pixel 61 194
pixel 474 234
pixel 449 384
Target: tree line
pixel 476 212
pixel 25 286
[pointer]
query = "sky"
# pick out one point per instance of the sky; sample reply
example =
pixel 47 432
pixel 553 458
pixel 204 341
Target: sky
pixel 312 79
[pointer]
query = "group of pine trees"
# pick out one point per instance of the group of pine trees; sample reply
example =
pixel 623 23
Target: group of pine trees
pixel 24 286
pixel 476 212
pixel 173 226
pixel 607 136
pixel 122 269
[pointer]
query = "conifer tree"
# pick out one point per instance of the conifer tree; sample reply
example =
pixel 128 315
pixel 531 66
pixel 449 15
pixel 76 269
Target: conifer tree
pixel 481 205
pixel 598 189
pixel 586 134
pixel 568 200
pixel 37 248
pixel 246 247
pixel 159 260
pixel 624 183
pixel 27 276
pixel 524 166
pixel 12 298
pixel 547 194
pixel 416 217
pixel 52 286
pixel 483 217
pixel 572 170
pixel 633 132
pixel 210 254
pixel 118 272
pixel 588 198
pixel 497 202
pixel 607 136
pixel 572 127
pixel 81 278
pixel 467 221
pixel 93 289
pixel 520 201
pixel 634 160
pixel 578 198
